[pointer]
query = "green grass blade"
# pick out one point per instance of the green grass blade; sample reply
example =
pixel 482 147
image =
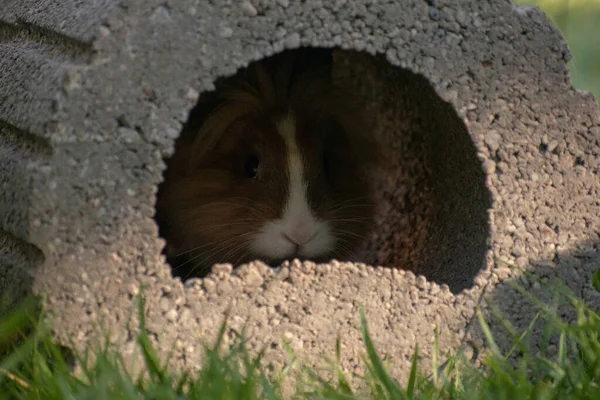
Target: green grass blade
pixel 391 387
pixel 412 379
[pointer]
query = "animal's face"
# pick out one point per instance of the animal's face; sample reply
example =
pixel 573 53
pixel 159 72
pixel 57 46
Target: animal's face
pixel 327 208
pixel 274 171
pixel 273 188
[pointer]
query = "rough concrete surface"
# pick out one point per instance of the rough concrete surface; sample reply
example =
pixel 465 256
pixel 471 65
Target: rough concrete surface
pixel 496 169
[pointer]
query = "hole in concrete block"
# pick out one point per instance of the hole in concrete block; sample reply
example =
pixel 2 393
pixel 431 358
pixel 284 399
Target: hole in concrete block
pixel 429 191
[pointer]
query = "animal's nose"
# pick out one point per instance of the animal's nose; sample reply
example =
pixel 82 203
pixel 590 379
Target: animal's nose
pixel 299 236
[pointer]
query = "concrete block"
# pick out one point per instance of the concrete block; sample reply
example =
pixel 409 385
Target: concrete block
pixel 497 164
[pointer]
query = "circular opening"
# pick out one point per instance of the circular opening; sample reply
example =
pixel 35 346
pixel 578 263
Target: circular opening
pixel 253 177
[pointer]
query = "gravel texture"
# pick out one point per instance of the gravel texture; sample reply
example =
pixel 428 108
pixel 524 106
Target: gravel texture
pixel 495 171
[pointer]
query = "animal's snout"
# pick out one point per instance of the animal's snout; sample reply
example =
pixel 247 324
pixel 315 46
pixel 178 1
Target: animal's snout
pixel 300 235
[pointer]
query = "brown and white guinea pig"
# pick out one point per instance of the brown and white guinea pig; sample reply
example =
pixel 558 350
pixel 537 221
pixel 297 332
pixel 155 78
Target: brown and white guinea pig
pixel 271 166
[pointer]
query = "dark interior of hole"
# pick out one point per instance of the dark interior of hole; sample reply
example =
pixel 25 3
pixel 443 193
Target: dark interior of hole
pixel 459 229
pixel 434 202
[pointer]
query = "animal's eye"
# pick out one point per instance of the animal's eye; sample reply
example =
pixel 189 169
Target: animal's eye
pixel 251 166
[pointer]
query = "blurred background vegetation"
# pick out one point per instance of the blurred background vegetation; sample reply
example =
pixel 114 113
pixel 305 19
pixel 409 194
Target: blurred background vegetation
pixel 579 21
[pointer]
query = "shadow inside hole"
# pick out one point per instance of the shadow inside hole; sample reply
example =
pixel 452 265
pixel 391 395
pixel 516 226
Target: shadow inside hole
pixel 431 197
pixel 433 200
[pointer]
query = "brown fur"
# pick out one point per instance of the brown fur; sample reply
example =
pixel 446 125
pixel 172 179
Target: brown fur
pixel 207 207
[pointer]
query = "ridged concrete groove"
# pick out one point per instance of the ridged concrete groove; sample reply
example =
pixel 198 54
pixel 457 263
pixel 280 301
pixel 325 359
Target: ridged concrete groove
pixel 45 42
pixel 35 61
pixel 76 19
pixel 31 88
pixel 15 251
pixel 21 143
pixel 18 261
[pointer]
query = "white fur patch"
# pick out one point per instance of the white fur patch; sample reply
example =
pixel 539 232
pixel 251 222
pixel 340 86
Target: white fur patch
pixel 298 232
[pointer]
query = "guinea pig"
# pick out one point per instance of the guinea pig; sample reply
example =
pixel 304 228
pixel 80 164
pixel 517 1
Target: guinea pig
pixel 272 165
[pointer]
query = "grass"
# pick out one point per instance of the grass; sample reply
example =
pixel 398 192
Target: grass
pixel 36 368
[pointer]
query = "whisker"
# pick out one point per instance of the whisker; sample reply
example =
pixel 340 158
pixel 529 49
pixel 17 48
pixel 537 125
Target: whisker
pixel 252 201
pixel 244 206
pixel 244 201
pixel 243 222
pixel 205 244
pixel 234 249
pixel 369 223
pixel 349 233
pixel 340 243
pixel 349 219
pixel 350 208
pixel 344 250
pixel 202 263
pixel 223 245
pixel 349 200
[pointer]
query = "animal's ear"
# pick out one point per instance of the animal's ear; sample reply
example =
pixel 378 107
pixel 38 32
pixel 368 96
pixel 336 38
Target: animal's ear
pixel 309 60
pixel 206 104
pixel 300 66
